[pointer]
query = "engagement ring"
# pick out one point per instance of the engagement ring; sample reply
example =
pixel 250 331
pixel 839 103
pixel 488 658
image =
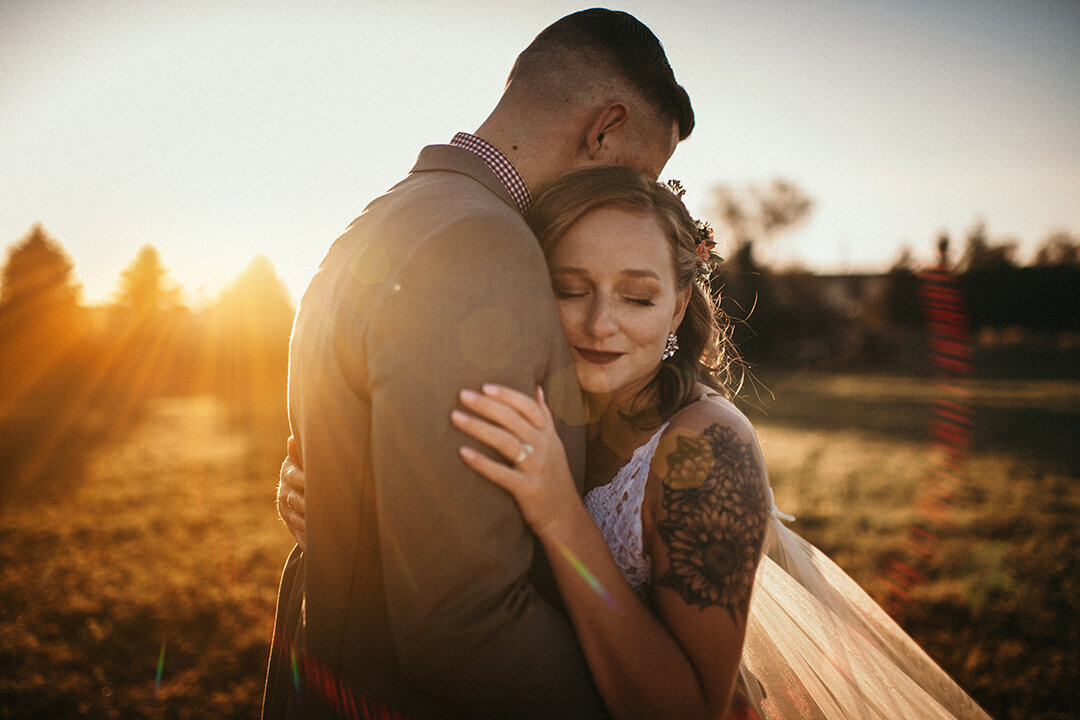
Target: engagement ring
pixel 526 451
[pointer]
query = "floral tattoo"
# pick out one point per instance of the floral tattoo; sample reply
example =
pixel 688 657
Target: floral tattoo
pixel 714 497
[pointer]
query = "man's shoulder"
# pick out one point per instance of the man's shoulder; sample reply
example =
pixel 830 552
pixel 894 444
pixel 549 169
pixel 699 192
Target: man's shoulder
pixel 446 174
pixel 444 210
pixel 438 225
pixel 450 196
pixel 444 159
pixel 438 197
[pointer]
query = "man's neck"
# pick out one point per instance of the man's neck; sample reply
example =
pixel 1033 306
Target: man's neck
pixel 537 156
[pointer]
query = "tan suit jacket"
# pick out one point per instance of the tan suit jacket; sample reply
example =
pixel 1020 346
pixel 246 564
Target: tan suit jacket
pixel 422 588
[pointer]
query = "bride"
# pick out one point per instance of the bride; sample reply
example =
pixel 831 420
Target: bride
pixel 688 595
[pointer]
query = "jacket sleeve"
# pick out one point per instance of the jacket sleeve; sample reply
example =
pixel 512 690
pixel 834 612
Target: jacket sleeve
pixel 472 304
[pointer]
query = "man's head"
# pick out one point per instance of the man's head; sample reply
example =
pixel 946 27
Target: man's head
pixel 594 88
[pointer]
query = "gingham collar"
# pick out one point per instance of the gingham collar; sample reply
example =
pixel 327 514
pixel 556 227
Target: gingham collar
pixel 499 164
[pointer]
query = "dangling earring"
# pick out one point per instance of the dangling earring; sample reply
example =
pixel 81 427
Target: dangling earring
pixel 671 347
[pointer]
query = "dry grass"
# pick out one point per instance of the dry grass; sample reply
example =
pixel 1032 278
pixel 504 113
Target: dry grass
pixel 147 589
pixel 169 551
pixel 848 456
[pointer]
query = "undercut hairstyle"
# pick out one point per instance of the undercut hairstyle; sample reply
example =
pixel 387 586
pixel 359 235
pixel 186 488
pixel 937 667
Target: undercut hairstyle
pixel 612 41
pixel 706 352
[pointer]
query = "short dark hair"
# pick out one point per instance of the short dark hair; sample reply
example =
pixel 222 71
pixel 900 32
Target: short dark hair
pixel 630 48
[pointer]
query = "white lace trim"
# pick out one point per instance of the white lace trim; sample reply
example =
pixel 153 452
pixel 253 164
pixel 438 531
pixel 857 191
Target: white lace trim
pixel 616 509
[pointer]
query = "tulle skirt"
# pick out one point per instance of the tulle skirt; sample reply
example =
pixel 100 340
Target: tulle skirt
pixel 817 646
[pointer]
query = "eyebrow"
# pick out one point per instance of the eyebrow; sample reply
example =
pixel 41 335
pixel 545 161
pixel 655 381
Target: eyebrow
pixel 581 271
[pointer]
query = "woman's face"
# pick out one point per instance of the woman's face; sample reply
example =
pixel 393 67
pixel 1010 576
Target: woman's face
pixel 614 284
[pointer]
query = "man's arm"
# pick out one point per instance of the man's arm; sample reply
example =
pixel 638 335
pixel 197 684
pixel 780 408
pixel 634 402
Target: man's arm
pixel 471 306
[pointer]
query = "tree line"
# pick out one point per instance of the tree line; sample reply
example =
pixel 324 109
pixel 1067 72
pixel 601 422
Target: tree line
pixel 71 376
pixel 793 318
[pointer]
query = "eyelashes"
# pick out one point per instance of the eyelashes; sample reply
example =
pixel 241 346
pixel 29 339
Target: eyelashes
pixel 572 295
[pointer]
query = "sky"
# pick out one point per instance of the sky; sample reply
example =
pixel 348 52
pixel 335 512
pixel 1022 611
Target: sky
pixel 218 131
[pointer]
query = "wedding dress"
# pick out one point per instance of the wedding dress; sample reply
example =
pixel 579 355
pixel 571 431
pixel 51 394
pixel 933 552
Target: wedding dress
pixel 817 646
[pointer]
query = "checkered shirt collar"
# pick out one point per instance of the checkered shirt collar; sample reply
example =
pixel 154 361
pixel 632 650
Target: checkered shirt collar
pixel 499 164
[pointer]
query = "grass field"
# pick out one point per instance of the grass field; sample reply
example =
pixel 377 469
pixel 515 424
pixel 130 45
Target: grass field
pixel 147 588
pixel 147 591
pixel 998 600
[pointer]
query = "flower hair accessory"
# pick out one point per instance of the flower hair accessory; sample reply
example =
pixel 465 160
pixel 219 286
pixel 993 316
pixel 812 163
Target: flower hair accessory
pixel 705 243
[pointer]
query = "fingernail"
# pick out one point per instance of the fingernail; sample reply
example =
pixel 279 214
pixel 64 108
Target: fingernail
pixel 490 389
pixel 467 395
pixel 459 417
pixel 466 452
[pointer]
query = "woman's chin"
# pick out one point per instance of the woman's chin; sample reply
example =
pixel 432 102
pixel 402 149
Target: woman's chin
pixel 595 384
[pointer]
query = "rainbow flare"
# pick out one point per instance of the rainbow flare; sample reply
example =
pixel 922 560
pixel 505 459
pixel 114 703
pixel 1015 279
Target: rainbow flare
pixel 295 672
pixel 587 576
pixel 160 671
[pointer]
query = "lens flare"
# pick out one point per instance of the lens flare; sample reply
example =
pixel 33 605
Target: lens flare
pixel 587 576
pixel 160 671
pixel 295 672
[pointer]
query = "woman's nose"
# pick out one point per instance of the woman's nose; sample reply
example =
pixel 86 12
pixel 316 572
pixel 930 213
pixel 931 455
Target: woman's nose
pixel 601 320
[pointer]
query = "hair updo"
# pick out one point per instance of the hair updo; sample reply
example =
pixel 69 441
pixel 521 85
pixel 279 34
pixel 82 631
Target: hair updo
pixel 706 353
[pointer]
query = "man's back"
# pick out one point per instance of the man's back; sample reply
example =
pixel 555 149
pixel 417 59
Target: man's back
pixel 416 571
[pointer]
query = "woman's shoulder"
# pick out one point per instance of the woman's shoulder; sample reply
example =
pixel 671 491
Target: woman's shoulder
pixel 708 431
pixel 709 507
pixel 711 411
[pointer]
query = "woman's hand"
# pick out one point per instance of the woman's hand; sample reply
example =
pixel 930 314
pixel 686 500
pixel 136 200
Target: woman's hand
pixel 521 429
pixel 290 495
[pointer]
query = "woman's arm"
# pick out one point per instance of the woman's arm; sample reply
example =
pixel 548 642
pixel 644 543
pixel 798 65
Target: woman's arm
pixel 681 662
pixel 706 520
pixel 290 495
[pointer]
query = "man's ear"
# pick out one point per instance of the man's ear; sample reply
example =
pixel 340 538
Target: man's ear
pixel 611 117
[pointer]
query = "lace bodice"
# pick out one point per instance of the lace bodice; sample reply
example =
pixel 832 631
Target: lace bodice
pixel 616 509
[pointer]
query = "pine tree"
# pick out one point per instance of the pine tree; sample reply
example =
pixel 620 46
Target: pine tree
pixel 38 274
pixel 144 286
pixel 41 320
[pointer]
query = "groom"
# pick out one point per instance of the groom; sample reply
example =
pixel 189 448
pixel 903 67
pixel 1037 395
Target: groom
pixel 420 592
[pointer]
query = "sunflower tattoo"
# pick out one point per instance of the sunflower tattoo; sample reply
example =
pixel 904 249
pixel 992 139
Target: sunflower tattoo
pixel 717 513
